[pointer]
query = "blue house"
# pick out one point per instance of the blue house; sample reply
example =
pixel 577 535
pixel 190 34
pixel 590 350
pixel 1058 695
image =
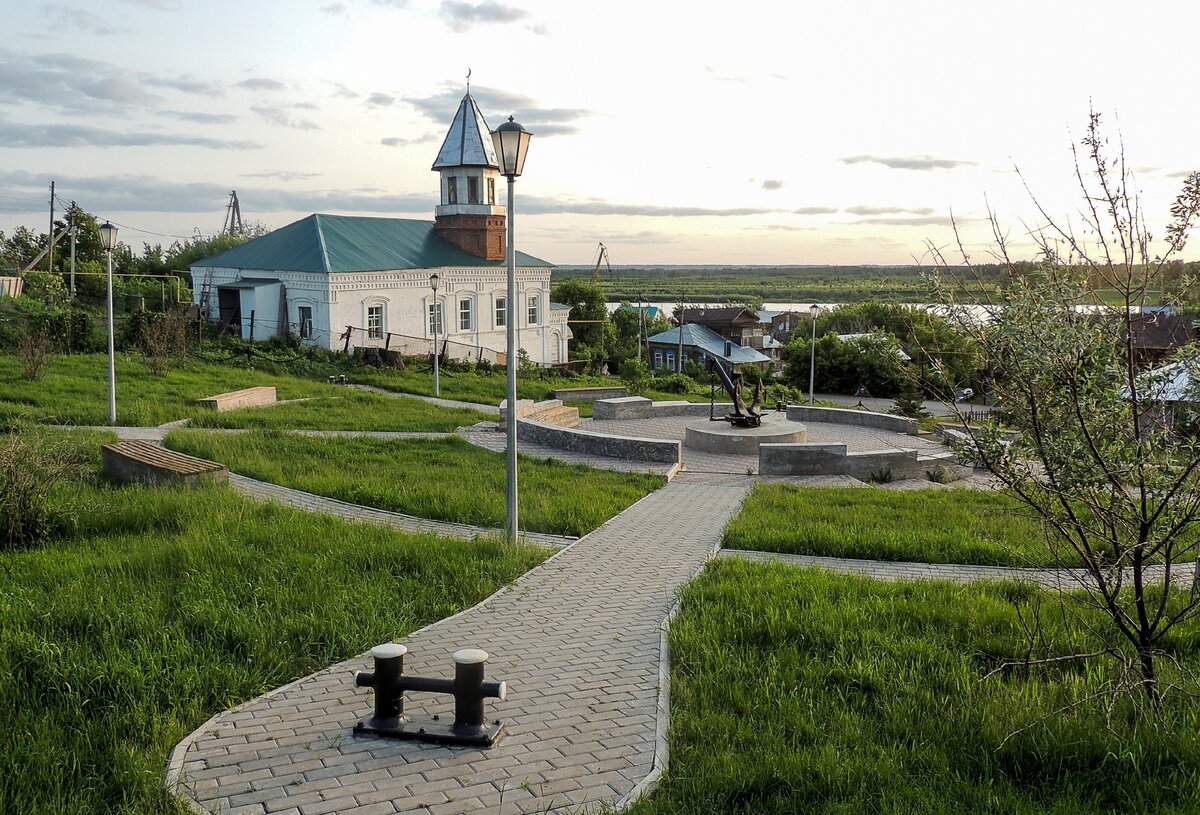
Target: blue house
pixel 699 345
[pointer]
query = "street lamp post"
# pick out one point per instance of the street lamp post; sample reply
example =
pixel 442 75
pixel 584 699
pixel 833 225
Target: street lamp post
pixel 511 141
pixel 108 238
pixel 813 311
pixel 433 283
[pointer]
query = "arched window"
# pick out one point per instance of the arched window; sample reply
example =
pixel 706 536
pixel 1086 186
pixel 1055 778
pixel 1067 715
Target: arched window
pixel 535 301
pixel 466 314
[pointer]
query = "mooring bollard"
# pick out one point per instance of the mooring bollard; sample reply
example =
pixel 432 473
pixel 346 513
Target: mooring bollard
pixel 468 688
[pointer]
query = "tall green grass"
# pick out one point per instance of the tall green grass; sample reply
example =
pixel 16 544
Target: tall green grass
pixel 927 526
pixel 347 409
pixel 164 606
pixel 797 691
pixel 446 479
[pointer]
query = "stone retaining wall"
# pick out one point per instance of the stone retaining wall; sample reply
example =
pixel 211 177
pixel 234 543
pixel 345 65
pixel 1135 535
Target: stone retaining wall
pixel 589 394
pixel 599 444
pixel 835 459
pixel 857 418
pixel 639 407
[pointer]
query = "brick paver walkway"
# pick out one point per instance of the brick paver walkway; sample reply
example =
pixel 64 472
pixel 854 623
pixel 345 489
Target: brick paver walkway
pixel 580 640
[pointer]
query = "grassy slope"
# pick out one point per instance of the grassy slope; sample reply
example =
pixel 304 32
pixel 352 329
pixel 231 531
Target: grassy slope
pixel 166 606
pixel 75 391
pixel 929 526
pixel 447 479
pixel 796 691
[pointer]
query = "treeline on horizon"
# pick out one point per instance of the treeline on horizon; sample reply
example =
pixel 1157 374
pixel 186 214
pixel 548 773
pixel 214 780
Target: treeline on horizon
pixel 774 284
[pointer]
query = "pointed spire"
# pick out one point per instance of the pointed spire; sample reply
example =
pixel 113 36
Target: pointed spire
pixel 469 141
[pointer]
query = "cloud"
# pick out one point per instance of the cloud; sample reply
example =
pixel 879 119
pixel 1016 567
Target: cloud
pixel 282 175
pixel 201 118
pixel 785 228
pixel 261 83
pixel 13 134
pixel 440 107
pixel 380 99
pixel 926 220
pixel 341 91
pixel 772 184
pixel 865 210
pixel 277 115
pixel 541 29
pixel 158 5
pixel 397 141
pixel 395 4
pixel 338 9
pixel 185 84
pixel 541 206
pixel 69 83
pixel 910 162
pixel 814 211
pixel 73 19
pixel 461 16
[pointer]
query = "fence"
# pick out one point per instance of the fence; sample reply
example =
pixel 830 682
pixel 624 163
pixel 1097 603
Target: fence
pixel 408 346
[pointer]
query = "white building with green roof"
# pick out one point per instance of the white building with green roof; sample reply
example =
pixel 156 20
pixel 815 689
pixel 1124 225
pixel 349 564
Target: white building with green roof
pixel 325 274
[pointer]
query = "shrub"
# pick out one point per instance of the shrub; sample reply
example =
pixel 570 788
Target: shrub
pixel 34 353
pixel 166 338
pixel 674 383
pixel 636 375
pixel 45 286
pixel 33 462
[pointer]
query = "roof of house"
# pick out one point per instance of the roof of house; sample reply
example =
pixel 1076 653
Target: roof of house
pixel 1175 382
pixel 1156 330
pixel 727 315
pixel 349 243
pixel 469 141
pixel 709 341
pixel 651 312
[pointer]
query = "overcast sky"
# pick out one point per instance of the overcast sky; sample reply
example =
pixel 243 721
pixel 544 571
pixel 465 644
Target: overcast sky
pixel 697 132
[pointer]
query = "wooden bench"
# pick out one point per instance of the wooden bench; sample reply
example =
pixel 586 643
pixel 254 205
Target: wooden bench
pixel 247 397
pixel 144 463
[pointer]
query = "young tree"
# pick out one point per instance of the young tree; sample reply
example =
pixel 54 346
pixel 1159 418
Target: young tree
pixel 1118 493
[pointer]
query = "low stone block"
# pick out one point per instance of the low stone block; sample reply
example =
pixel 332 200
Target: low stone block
pixel 143 463
pixel 247 397
pixel 625 407
pixel 590 394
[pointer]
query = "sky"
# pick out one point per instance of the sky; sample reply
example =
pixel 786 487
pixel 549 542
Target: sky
pixel 674 133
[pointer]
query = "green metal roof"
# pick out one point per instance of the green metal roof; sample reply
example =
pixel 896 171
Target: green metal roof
pixel 346 243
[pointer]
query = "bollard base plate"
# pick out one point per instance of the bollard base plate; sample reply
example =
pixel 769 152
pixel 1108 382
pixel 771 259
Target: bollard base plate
pixel 436 732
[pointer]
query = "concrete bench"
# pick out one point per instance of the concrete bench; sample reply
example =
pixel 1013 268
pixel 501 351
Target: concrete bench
pixel 247 397
pixel 590 394
pixel 144 463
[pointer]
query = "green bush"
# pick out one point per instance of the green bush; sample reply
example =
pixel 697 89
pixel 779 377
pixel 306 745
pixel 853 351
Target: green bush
pixel 673 383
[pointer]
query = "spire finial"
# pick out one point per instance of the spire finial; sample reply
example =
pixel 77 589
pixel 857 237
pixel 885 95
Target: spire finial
pixel 468 80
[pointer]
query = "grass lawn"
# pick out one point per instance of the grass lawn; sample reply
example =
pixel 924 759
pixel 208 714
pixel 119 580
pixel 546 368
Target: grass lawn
pixel 75 391
pixel 927 526
pixel 156 608
pixel 447 479
pixel 798 691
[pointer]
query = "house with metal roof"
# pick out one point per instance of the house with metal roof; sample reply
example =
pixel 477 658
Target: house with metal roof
pixel 349 281
pixel 700 344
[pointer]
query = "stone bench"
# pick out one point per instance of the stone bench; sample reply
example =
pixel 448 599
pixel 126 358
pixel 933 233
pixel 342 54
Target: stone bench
pixel 144 463
pixel 247 397
pixel 590 394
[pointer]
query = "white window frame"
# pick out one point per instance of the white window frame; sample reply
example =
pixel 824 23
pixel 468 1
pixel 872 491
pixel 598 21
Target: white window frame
pixel 440 312
pixel 534 312
pixel 451 189
pixel 501 312
pixel 670 360
pixel 466 316
pixel 300 308
pixel 658 358
pixel 376 332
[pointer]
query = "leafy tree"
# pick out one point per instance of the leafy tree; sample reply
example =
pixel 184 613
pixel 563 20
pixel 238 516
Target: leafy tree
pixel 842 366
pixel 1116 491
pixel 594 334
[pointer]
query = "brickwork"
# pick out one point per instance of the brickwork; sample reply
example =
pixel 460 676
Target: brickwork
pixel 579 642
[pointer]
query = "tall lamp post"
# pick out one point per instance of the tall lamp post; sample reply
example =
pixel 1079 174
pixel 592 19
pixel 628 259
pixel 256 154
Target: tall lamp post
pixel 511 141
pixel 433 284
pixel 108 239
pixel 813 311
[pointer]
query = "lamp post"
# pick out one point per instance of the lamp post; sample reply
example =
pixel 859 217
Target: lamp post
pixel 433 284
pixel 108 239
pixel 813 311
pixel 511 141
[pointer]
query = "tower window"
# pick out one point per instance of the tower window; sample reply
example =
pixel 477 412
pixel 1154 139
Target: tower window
pixel 452 190
pixel 472 190
pixel 491 191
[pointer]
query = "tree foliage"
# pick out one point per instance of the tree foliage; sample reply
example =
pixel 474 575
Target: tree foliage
pixel 1116 490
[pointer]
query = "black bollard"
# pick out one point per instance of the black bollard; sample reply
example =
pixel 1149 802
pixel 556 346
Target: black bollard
pixel 389 701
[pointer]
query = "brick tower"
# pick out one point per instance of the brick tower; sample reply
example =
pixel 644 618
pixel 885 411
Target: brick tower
pixel 468 215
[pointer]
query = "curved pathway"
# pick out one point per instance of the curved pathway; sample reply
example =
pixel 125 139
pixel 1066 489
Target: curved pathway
pixel 580 641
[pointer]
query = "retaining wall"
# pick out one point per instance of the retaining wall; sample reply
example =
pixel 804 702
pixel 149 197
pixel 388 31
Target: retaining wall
pixel 857 418
pixel 661 451
pixel 834 459
pixel 639 407
pixel 590 394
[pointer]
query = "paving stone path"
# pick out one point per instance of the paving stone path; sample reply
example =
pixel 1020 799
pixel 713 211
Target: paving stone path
pixel 580 641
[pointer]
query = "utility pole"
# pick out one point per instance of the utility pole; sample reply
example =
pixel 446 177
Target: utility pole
pixel 74 209
pixel 50 255
pixel 679 359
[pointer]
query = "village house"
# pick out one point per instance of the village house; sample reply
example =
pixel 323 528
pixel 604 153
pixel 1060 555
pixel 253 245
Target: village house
pixel 700 344
pixel 347 281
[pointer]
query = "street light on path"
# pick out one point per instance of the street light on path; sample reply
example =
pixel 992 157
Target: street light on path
pixel 433 283
pixel 511 141
pixel 813 310
pixel 108 239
